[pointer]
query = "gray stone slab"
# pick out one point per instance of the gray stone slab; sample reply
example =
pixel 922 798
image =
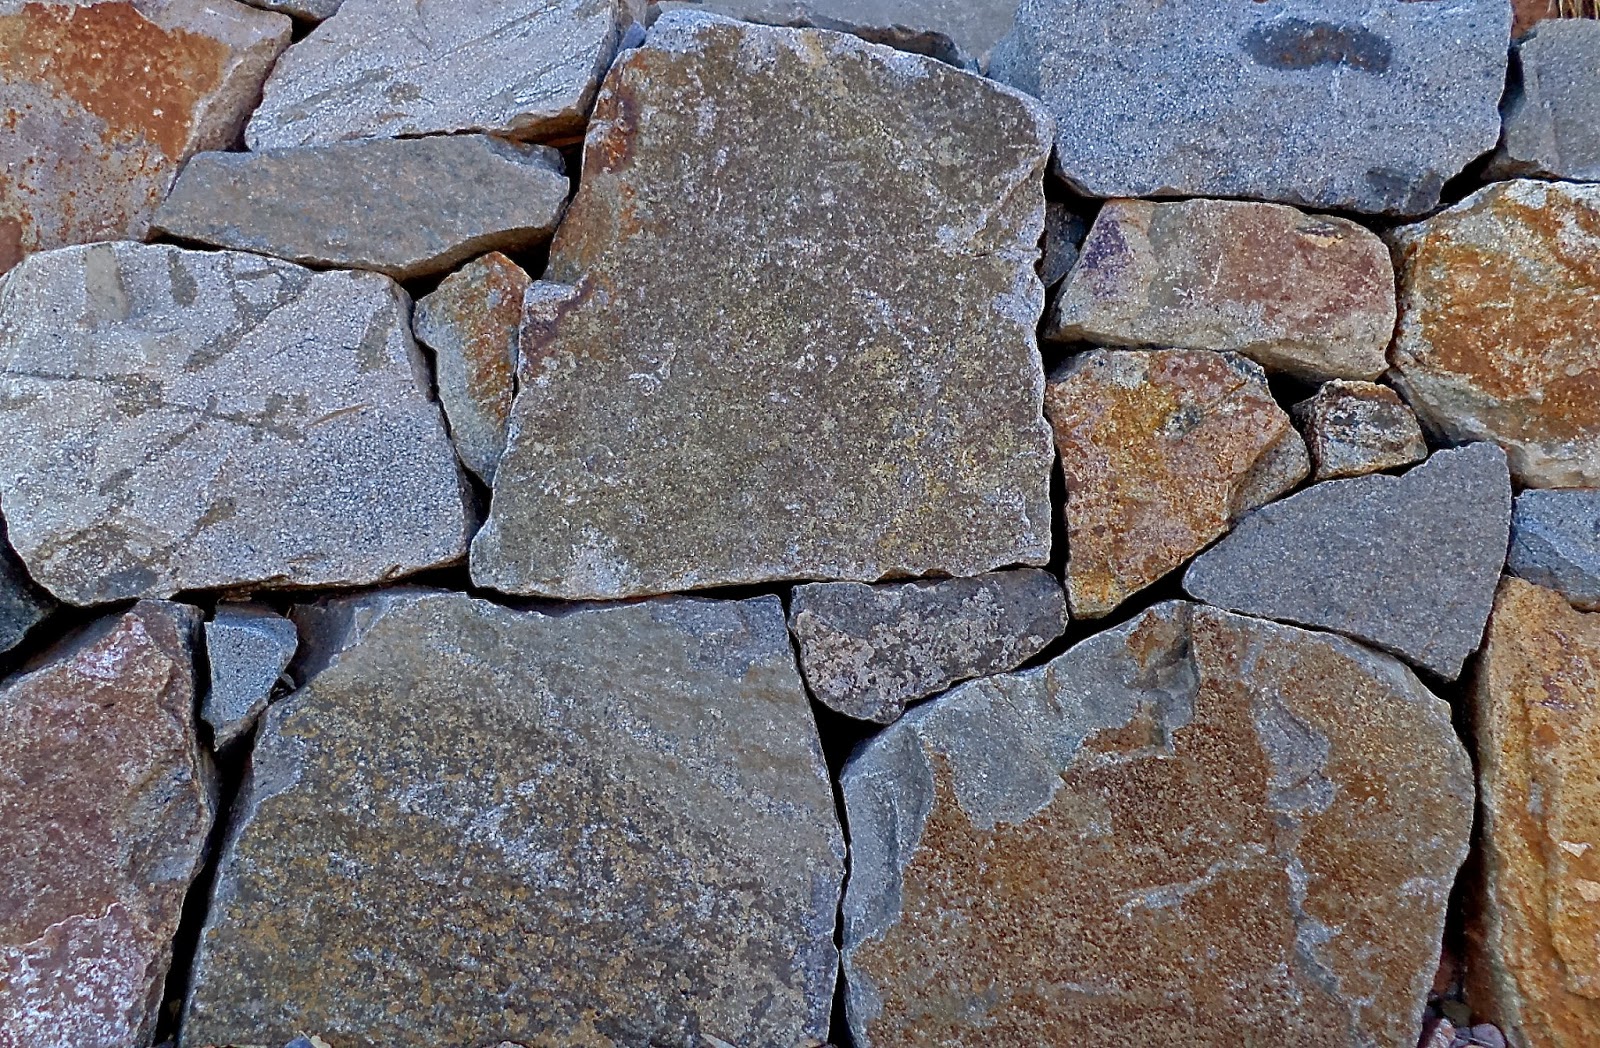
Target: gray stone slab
pixel 1555 543
pixel 23 605
pixel 248 647
pixel 1552 112
pixel 306 10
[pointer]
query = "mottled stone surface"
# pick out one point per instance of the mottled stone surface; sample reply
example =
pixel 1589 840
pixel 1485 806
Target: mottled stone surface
pixel 23 605
pixel 394 68
pixel 190 420
pixel 1309 295
pixel 798 382
pixel 416 803
pixel 1555 542
pixel 1064 231
pixel 104 102
pixel 249 647
pixel 1536 968
pixel 1499 335
pixel 1552 112
pixel 406 207
pixel 471 323
pixel 1406 563
pixel 867 651
pixel 1162 451
pixel 1355 428
pixel 1353 105
pixel 106 800
pixel 1195 828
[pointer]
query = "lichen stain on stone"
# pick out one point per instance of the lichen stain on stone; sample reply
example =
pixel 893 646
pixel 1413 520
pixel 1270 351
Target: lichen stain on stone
pixel 1293 44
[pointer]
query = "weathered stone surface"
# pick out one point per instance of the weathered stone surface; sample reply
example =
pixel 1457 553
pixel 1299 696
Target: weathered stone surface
pixel 1195 828
pixel 1355 105
pixel 1529 13
pixel 1555 543
pixel 249 647
pixel 782 399
pixel 471 323
pixel 1063 239
pixel 1552 112
pixel 106 800
pixel 867 651
pixel 406 207
pixel 395 68
pixel 1355 428
pixel 1406 563
pixel 1162 451
pixel 23 605
pixel 309 10
pixel 692 903
pixel 1499 335
pixel 189 420
pixel 1305 294
pixel 103 102
pixel 1536 969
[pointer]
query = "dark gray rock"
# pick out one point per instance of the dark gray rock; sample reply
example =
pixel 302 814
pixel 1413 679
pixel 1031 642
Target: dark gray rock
pixel 249 647
pixel 23 604
pixel 1063 238
pixel 1552 112
pixel 1555 542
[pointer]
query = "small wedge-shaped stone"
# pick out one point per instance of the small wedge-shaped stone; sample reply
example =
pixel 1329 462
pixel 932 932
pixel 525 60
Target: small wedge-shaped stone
pixel 192 420
pixel 1356 428
pixel 23 605
pixel 1499 335
pixel 1309 295
pixel 718 386
pixel 1195 828
pixel 397 68
pixel 1161 451
pixel 612 826
pixel 106 801
pixel 867 651
pixel 1555 542
pixel 1407 563
pixel 1536 964
pixel 406 208
pixel 1552 115
pixel 249 647
pixel 310 10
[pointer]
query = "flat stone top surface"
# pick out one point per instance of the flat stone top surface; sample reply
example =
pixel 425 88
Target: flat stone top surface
pixel 972 26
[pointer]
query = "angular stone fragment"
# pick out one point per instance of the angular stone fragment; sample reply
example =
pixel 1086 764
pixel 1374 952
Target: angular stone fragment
pixel 1499 335
pixel 309 10
pixel 248 647
pixel 867 651
pixel 406 208
pixel 103 102
pixel 471 324
pixel 1407 563
pixel 1162 451
pixel 397 68
pixel 1552 113
pixel 106 801
pixel 194 420
pixel 730 390
pixel 1355 428
pixel 1195 828
pixel 1536 969
pixel 1309 295
pixel 23 605
pixel 1555 543
pixel 1353 105
pixel 610 826
pixel 1063 238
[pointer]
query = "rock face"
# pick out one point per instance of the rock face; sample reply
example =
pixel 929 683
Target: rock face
pixel 1537 713
pixel 1552 115
pixel 248 647
pixel 23 605
pixel 867 651
pixel 310 10
pixel 693 903
pixel 1499 314
pixel 1309 295
pixel 1555 542
pixel 1162 451
pixel 406 208
pixel 398 68
pixel 1064 232
pixel 105 101
pixel 106 801
pixel 1355 428
pixel 1353 105
pixel 471 323
pixel 782 401
pixel 1064 856
pixel 190 420
pixel 1408 563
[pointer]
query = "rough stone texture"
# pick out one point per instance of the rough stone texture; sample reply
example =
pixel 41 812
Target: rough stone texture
pixel 396 68
pixel 1552 113
pixel 192 420
pixel 1536 969
pixel 102 103
pixel 1195 828
pixel 867 651
pixel 1305 294
pixel 1555 542
pixel 23 605
pixel 1162 451
pixel 1406 563
pixel 406 208
pixel 693 903
pixel 1353 105
pixel 798 381
pixel 1499 335
pixel 106 800
pixel 1063 238
pixel 249 647
pixel 471 324
pixel 1529 13
pixel 1355 428
pixel 309 10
